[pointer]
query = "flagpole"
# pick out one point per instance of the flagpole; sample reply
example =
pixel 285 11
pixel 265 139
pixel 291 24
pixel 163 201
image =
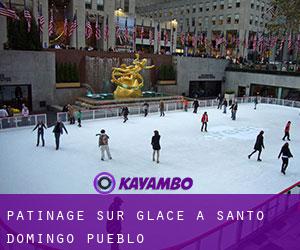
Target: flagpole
pixel 76 30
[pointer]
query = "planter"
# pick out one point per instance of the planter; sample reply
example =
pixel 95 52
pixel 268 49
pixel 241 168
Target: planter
pixel 67 85
pixel 229 97
pixel 166 82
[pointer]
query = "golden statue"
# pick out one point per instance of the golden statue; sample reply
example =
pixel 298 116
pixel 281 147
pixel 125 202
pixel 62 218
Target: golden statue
pixel 128 79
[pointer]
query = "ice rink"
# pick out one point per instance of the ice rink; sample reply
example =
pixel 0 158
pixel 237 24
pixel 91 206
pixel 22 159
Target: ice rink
pixel 217 161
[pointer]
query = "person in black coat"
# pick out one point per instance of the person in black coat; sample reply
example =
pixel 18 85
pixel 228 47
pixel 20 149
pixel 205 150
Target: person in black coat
pixel 225 104
pixel 40 133
pixel 286 154
pixel 259 145
pixel 234 108
pixel 125 113
pixel 156 145
pixel 58 130
pixel 196 106
pixel 146 109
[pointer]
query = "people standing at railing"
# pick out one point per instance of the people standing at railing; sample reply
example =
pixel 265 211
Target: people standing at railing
pixel 162 108
pixel 71 114
pixel 146 108
pixel 234 108
pixel 125 113
pixel 40 132
pixel 286 154
pixel 25 111
pixel 79 117
pixel 287 131
pixel 58 131
pixel 103 144
pixel 155 142
pixel 220 100
pixel 225 104
pixel 204 121
pixel 3 112
pixel 195 106
pixel 259 145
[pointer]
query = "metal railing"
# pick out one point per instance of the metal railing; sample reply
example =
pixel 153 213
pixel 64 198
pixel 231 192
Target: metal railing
pixel 230 234
pixel 21 121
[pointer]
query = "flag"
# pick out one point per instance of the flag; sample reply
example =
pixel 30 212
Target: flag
pixel 158 36
pixel 126 34
pixel 142 32
pixel 65 25
pixel 41 19
pixel 134 35
pixel 194 39
pixel 88 28
pixel 261 43
pixel 255 42
pixel 106 30
pixel 182 38
pixel 97 30
pixel 118 31
pixel 290 44
pixel 51 23
pixel 4 11
pixel 73 26
pixel 282 43
pixel 151 34
pixel 27 17
pixel 220 40
pixel 273 41
pixel 166 36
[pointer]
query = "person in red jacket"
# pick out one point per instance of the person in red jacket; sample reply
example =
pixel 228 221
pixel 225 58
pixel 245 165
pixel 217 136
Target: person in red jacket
pixel 204 121
pixel 287 131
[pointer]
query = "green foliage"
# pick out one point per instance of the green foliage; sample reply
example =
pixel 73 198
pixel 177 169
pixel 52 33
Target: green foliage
pixel 67 72
pixel 229 92
pixel 167 72
pixel 18 36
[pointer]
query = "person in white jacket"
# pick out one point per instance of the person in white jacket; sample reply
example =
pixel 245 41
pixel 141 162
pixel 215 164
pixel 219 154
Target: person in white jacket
pixel 25 111
pixel 103 144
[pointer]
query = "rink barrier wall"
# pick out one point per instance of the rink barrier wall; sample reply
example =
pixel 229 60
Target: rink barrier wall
pixel 115 110
pixel 21 121
pixel 221 237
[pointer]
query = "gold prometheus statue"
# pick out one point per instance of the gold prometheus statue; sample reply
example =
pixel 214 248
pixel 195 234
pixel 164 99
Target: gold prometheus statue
pixel 128 79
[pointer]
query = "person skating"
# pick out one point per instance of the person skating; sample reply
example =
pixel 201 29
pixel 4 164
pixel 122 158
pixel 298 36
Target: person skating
pixel 204 121
pixel 225 104
pixel 155 142
pixel 234 108
pixel 71 113
pixel 287 131
pixel 40 132
pixel 259 145
pixel 125 113
pixel 103 144
pixel 58 131
pixel 286 154
pixel 146 108
pixel 79 117
pixel 220 101
pixel 185 105
pixel 255 102
pixel 162 108
pixel 195 106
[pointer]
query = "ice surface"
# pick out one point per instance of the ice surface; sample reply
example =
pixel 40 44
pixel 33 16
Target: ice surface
pixel 217 161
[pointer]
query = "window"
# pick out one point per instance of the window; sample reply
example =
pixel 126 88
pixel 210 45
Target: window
pixel 193 21
pixel 236 18
pixel 261 24
pixel 201 8
pixel 213 20
pixel 207 6
pixel 256 21
pixel 88 4
pixel 221 20
pixel 229 19
pixel 182 11
pixel 257 5
pixel 200 21
pixel 222 5
pixel 188 10
pixel 100 4
pixel 215 5
pixel 187 22
pixel 194 8
pixel 126 6
pixel 251 20
pixel 229 4
pixel 238 3
pixel 206 22
pixel 252 4
pixel 262 7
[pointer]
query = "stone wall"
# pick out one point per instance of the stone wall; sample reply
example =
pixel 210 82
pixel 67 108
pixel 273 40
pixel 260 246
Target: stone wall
pixel 31 68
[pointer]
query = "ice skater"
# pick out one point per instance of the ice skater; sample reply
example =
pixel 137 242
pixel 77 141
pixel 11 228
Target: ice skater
pixel 195 106
pixel 40 132
pixel 58 131
pixel 103 144
pixel 225 104
pixel 146 109
pixel 79 117
pixel 234 108
pixel 287 131
pixel 259 145
pixel 71 112
pixel 286 154
pixel 219 99
pixel 255 102
pixel 125 113
pixel 204 121
pixel 185 105
pixel 156 145
pixel 162 108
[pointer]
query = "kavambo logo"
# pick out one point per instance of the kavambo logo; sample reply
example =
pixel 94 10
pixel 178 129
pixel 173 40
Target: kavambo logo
pixel 105 183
